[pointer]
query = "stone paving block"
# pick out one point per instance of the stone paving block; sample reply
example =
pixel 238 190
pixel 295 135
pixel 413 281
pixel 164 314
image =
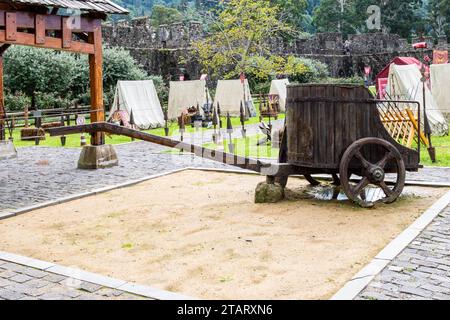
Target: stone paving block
pixel 28 298
pixel 416 291
pixel 53 296
pixel 431 270
pixel 434 288
pixel 7 274
pixel 439 261
pixel 54 277
pixel 440 296
pixel 89 287
pixel 38 283
pixel 5 282
pixel 424 263
pixel 34 273
pixel 89 297
pixel 21 288
pixel 383 286
pixel 441 279
pixel 10 295
pixel 13 267
pixel 372 295
pixel 20 278
pixel 107 292
pixel 71 293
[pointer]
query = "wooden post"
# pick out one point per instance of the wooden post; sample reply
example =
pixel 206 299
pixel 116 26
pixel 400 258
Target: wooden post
pixel 2 100
pixel 96 82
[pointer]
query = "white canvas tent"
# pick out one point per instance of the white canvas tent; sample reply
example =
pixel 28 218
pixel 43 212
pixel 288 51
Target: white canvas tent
pixel 405 84
pixel 186 94
pixel 279 87
pixel 440 86
pixel 230 93
pixel 139 97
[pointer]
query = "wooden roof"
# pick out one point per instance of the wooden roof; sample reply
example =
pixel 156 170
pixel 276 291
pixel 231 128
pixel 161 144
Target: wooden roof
pixel 98 6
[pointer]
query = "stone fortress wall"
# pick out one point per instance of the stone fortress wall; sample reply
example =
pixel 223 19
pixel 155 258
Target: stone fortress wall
pixel 166 49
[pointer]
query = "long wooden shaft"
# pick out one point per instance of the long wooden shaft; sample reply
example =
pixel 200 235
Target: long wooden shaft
pixel 215 155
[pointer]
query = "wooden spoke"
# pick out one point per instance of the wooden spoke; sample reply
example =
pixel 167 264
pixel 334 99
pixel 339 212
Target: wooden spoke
pixel 361 185
pixel 366 164
pixel 387 191
pixel 388 156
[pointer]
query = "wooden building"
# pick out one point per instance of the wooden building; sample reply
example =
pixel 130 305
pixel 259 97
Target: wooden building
pixel 69 25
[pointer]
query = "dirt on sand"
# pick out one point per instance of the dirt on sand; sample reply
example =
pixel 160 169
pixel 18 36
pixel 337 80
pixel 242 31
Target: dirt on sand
pixel 201 234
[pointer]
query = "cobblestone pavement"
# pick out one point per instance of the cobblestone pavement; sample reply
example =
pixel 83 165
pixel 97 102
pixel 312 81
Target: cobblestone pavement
pixel 42 174
pixel 421 271
pixel 19 282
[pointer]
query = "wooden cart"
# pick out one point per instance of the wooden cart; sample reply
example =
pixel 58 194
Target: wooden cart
pixel 330 129
pixel 336 129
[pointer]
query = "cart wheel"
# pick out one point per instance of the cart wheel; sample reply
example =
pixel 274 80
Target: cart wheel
pixel 372 173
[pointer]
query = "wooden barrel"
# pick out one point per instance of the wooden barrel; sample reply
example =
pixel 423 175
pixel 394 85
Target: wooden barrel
pixel 324 120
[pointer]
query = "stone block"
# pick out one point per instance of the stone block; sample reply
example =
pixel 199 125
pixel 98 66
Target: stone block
pixel 7 150
pixel 269 193
pixel 98 157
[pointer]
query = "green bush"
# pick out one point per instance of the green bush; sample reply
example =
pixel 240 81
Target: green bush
pixel 304 70
pixel 51 101
pixel 262 87
pixel 31 70
pixel 352 80
pixel 161 88
pixel 16 102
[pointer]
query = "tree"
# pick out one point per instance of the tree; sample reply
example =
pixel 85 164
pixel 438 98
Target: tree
pixel 350 16
pixel 292 12
pixel 165 15
pixel 334 16
pixel 240 35
pixel 399 16
pixel 439 17
pixel 31 70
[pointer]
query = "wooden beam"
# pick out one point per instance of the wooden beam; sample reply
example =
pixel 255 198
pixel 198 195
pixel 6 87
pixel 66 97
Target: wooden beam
pixel 40 29
pixel 26 20
pixel 2 100
pixel 28 39
pixel 96 84
pixel 11 26
pixel 66 33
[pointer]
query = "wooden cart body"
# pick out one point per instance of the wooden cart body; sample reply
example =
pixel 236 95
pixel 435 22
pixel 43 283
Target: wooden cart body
pixel 324 120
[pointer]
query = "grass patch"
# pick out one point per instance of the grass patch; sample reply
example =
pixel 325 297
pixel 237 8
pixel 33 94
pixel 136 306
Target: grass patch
pixel 442 145
pixel 127 246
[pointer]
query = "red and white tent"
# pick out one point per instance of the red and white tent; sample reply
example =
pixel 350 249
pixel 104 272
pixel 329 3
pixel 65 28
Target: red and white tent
pixel 381 79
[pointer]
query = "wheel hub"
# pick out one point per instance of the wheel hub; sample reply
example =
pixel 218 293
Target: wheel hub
pixel 376 174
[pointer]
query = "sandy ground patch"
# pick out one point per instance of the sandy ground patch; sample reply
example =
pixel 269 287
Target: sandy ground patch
pixel 200 234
